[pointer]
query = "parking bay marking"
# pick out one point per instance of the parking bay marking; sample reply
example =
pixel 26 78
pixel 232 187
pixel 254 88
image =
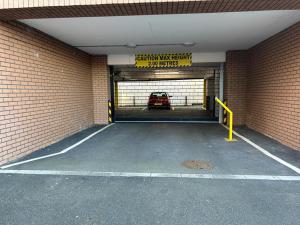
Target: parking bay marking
pixel 58 153
pixel 152 175
pixel 265 152
pixel 292 167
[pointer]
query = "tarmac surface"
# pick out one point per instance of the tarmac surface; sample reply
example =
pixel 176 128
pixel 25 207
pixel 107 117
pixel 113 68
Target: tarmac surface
pixel 154 147
pixel 160 148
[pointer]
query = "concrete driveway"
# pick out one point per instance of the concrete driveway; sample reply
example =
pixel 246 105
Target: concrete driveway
pixel 132 173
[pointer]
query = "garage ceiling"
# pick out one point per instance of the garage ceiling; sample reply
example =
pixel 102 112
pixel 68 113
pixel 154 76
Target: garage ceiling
pixel 167 33
pixel 197 71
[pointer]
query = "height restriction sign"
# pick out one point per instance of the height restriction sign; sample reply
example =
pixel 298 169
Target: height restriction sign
pixel 163 60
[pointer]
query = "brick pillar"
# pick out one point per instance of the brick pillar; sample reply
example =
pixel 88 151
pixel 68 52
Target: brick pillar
pixel 235 84
pixel 100 75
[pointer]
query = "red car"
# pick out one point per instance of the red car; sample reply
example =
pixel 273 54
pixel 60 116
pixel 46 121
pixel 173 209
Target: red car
pixel 159 100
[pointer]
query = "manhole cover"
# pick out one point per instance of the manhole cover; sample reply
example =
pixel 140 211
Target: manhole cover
pixel 197 164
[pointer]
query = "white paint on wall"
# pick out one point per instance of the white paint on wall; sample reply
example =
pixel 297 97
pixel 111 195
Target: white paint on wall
pixel 137 92
pixel 114 60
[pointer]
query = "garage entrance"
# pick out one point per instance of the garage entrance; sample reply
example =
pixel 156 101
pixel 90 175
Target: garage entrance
pixel 177 94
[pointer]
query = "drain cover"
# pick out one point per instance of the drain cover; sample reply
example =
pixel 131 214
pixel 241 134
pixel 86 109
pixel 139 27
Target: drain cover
pixel 197 164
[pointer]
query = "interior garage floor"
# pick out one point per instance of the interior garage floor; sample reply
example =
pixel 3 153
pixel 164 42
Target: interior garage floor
pixel 160 148
pixel 177 113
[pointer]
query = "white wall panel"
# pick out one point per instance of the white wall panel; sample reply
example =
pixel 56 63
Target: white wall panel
pixel 137 92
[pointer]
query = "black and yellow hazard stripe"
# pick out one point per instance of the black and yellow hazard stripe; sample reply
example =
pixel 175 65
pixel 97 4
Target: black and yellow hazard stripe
pixel 225 114
pixel 163 60
pixel 109 112
pixel 116 88
pixel 162 64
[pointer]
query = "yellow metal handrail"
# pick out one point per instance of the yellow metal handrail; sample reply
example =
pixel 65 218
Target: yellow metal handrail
pixel 230 119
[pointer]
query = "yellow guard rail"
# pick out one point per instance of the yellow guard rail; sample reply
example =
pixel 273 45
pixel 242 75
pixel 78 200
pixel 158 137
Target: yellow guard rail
pixel 230 119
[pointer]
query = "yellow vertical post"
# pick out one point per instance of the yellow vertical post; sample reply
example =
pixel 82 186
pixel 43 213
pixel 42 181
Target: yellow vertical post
pixel 224 115
pixel 230 127
pixel 109 112
pixel 204 94
pixel 116 95
pixel 230 119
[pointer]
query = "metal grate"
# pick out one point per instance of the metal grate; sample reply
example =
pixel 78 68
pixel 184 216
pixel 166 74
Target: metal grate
pixel 197 164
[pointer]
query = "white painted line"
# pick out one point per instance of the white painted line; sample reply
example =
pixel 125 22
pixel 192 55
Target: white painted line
pixel 144 109
pixel 264 151
pixel 58 153
pixel 157 121
pixel 152 175
pixel 167 175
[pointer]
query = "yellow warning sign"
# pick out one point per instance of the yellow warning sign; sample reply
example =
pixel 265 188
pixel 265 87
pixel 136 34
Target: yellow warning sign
pixel 163 60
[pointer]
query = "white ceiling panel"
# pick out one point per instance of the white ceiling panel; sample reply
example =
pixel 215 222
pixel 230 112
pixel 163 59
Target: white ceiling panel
pixel 166 33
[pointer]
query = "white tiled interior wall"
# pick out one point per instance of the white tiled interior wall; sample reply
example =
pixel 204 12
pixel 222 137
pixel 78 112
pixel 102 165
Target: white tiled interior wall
pixel 136 93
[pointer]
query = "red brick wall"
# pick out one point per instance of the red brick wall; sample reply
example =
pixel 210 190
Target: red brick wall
pixel 29 9
pixel 273 93
pixel 262 86
pixel 46 90
pixel 235 84
pixel 100 76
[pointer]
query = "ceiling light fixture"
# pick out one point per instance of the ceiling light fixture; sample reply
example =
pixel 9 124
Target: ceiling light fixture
pixel 131 45
pixel 166 72
pixel 189 43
